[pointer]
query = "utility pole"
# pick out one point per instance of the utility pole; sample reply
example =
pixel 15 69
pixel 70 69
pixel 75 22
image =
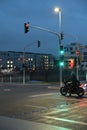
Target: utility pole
pixel 28 45
pixel 24 67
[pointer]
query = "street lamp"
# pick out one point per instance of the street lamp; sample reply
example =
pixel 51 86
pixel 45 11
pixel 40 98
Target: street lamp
pixel 58 10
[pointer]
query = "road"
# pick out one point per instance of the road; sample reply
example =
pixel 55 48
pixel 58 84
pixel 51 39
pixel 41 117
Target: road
pixel 42 103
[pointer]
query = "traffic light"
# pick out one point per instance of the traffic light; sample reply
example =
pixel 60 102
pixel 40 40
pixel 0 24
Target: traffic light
pixel 61 62
pixel 26 27
pixel 61 50
pixel 61 36
pixel 71 63
pixel 38 43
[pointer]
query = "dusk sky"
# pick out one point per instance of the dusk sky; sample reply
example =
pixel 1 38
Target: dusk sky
pixel 14 13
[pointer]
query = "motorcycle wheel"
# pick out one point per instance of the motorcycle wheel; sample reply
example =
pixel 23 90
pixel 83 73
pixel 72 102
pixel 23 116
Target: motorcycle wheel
pixel 80 92
pixel 63 91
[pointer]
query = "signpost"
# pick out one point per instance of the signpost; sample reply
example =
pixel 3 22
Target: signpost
pixel 77 64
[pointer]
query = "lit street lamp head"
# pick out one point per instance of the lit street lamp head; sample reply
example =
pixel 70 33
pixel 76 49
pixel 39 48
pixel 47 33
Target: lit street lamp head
pixel 57 9
pixel 59 12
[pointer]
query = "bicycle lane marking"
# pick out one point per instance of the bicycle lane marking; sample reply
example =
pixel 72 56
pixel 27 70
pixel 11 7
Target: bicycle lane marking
pixel 65 120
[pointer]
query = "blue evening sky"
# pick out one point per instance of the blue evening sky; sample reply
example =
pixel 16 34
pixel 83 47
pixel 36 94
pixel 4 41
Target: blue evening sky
pixel 13 14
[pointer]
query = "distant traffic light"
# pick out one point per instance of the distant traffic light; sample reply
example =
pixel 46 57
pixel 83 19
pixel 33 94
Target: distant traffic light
pixel 61 50
pixel 61 62
pixel 38 43
pixel 61 36
pixel 71 63
pixel 26 27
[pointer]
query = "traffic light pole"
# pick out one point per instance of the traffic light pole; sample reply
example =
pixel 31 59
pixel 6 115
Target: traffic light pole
pixel 44 29
pixel 60 41
pixel 24 67
pixel 28 45
pixel 59 37
pixel 77 66
pixel 60 65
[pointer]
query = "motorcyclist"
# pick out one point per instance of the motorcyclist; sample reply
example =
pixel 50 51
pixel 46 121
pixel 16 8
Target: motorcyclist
pixel 74 82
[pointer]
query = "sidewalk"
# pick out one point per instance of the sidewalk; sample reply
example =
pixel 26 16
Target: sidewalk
pixel 34 84
pixel 17 124
pixel 29 83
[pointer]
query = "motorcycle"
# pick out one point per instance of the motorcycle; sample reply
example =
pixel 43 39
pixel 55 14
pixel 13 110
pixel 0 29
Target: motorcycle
pixel 68 88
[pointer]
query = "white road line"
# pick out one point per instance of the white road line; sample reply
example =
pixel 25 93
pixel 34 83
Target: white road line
pixel 7 89
pixel 41 95
pixel 66 120
pixel 57 94
pixel 53 87
pixel 41 107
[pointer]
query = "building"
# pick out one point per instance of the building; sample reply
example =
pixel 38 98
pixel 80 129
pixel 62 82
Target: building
pixel 32 61
pixel 78 52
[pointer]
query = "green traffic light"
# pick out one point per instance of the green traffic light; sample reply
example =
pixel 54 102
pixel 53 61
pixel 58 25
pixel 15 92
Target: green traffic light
pixel 61 63
pixel 61 52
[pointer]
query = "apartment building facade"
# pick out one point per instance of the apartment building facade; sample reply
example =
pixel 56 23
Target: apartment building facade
pixel 33 61
pixel 71 53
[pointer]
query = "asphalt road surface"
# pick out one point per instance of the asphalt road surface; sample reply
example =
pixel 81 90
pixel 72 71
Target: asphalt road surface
pixel 41 104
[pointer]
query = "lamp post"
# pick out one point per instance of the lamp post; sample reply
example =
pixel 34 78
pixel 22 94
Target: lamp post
pixel 58 10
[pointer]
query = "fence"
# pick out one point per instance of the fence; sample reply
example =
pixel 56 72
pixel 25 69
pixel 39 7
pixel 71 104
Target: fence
pixel 47 76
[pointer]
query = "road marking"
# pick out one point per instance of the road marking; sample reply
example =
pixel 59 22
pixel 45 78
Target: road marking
pixel 41 107
pixel 57 94
pixel 54 87
pixel 7 89
pixel 66 120
pixel 41 95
